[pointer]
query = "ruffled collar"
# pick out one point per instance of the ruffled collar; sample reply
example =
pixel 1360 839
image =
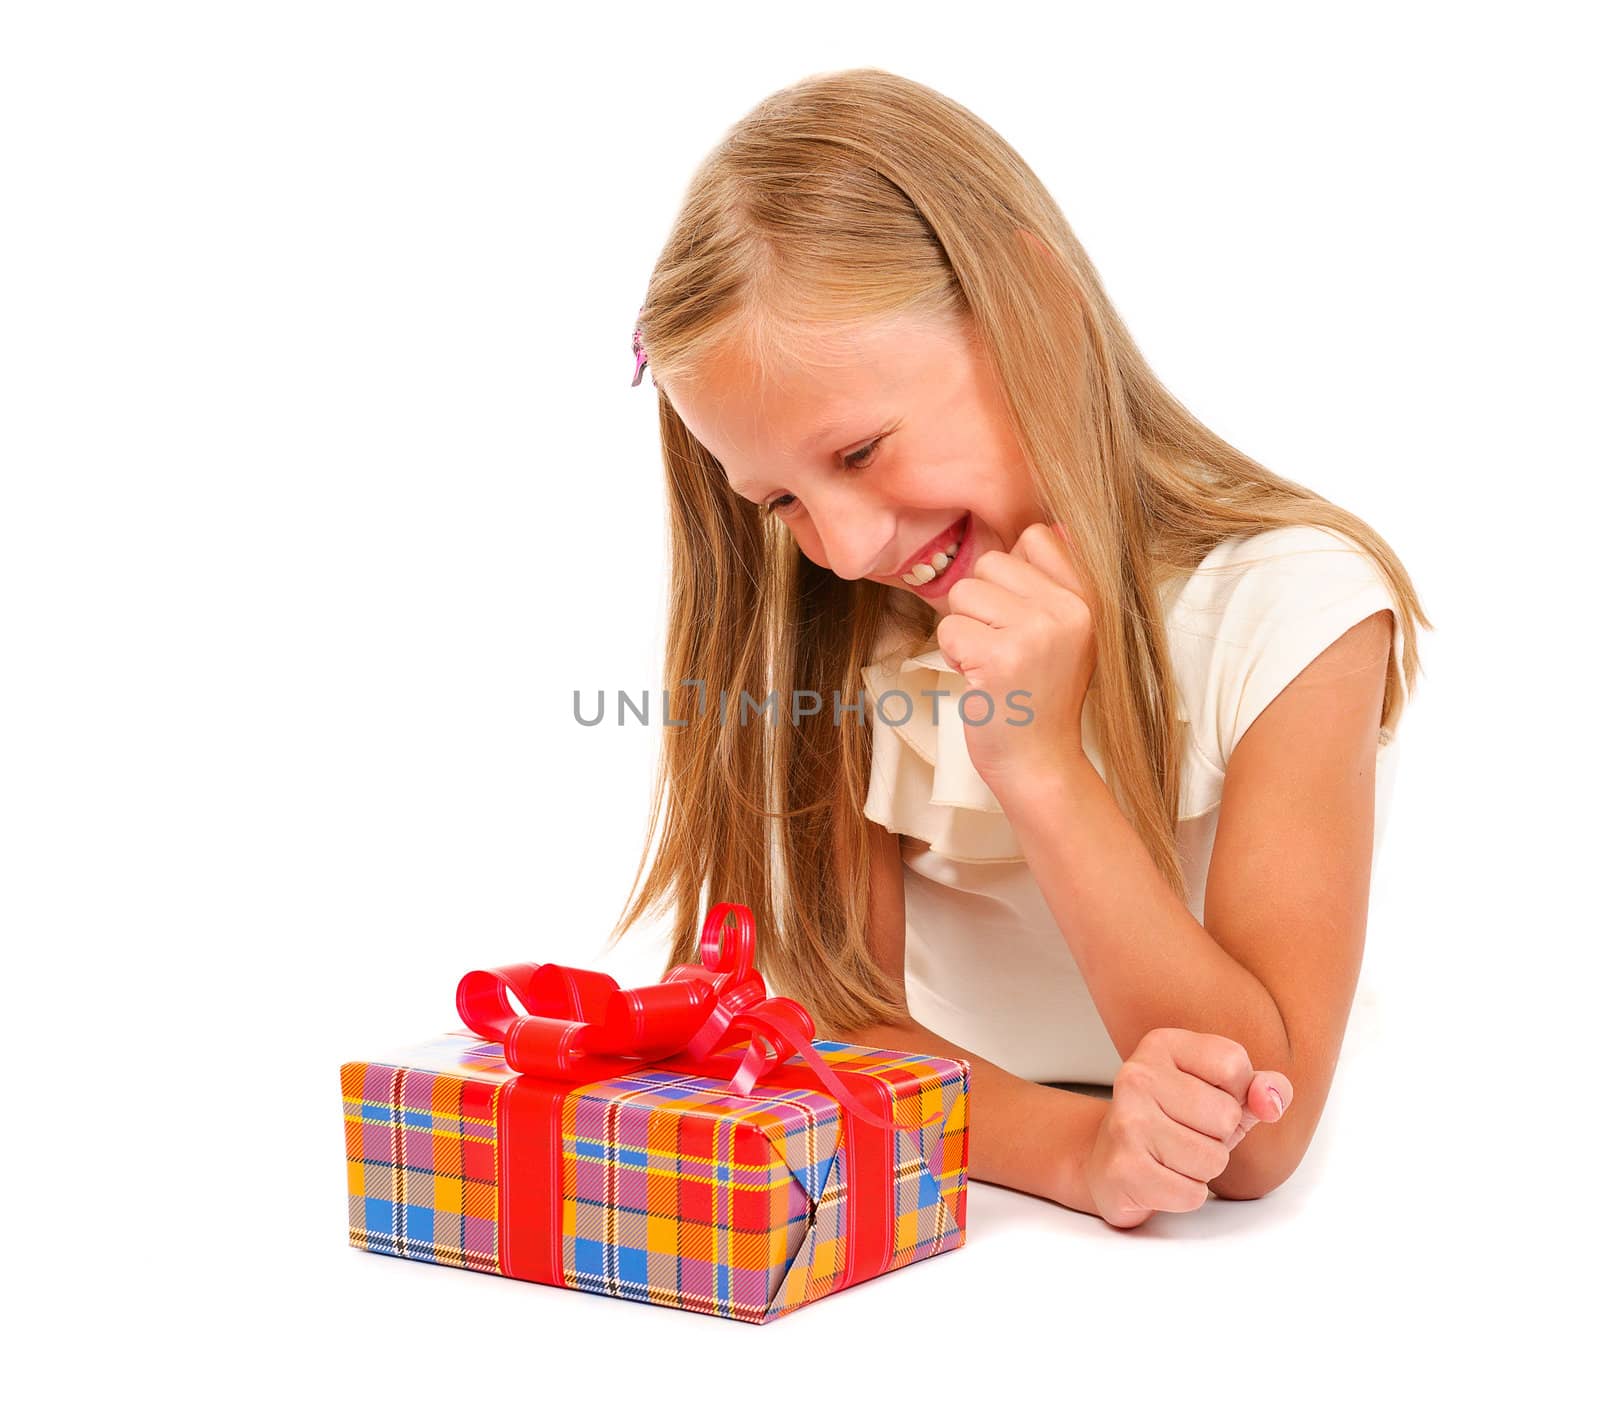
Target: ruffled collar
pixel 923 782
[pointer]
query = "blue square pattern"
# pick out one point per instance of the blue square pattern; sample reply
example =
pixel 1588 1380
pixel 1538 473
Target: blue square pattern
pixel 633 1265
pixel 419 1224
pixel 588 1256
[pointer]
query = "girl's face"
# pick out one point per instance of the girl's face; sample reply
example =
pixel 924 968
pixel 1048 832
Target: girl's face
pixel 896 457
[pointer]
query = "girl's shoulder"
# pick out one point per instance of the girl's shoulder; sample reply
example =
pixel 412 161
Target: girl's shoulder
pixel 1299 559
pixel 1255 611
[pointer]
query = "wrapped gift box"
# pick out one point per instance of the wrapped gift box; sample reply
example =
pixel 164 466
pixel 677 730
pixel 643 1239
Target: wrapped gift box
pixel 688 1144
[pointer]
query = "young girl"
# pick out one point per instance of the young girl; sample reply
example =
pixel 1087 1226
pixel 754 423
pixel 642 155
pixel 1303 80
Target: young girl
pixel 1083 718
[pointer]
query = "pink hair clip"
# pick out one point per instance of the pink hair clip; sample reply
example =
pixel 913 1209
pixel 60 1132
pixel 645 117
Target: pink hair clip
pixel 640 358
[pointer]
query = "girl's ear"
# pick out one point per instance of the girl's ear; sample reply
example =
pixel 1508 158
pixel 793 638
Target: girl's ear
pixel 1052 267
pixel 1056 288
pixel 1030 238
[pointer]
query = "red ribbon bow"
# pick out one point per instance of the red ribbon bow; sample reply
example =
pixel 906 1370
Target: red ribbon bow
pixel 582 1026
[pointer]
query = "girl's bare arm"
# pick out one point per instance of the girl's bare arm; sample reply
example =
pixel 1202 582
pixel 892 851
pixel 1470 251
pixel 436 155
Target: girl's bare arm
pixel 1275 965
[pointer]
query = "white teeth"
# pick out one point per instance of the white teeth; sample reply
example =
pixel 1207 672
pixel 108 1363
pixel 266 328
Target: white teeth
pixel 924 571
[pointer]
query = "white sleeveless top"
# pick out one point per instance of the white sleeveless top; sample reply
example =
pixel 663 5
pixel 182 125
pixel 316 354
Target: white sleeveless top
pixel 986 965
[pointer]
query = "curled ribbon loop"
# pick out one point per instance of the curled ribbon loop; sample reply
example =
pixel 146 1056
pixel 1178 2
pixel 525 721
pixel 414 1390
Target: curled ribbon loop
pixel 582 1026
pixel 727 962
pixel 732 952
pixel 579 1024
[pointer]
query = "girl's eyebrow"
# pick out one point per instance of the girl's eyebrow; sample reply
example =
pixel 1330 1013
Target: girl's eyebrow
pixel 832 428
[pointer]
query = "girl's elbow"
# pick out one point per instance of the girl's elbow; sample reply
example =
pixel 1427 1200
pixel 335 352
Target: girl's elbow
pixel 1246 1188
pixel 1249 1178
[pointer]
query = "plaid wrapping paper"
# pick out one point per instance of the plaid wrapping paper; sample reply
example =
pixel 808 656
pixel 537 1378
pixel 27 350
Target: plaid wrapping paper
pixel 675 1191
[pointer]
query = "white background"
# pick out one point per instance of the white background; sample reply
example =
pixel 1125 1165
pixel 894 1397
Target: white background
pixel 324 487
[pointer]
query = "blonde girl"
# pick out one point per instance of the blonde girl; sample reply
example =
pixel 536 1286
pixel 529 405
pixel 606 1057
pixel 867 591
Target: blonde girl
pixel 1083 717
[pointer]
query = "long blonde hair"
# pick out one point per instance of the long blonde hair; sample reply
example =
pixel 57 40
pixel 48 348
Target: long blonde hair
pixel 846 197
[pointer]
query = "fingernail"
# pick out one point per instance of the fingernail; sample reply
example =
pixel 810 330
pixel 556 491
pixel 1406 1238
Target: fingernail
pixel 1277 1099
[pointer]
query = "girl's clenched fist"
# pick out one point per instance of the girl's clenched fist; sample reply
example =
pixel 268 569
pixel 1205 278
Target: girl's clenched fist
pixel 1020 630
pixel 1180 1104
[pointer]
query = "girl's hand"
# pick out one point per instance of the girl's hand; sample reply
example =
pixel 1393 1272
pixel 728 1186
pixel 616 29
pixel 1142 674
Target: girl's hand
pixel 1021 621
pixel 1180 1104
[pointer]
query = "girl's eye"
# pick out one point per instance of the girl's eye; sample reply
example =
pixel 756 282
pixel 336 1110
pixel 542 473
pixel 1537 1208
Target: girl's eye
pixel 856 459
pixel 861 457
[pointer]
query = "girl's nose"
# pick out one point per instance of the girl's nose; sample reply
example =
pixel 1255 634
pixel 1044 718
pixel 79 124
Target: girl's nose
pixel 856 541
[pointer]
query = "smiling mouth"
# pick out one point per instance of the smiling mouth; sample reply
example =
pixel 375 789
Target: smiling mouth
pixel 937 557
